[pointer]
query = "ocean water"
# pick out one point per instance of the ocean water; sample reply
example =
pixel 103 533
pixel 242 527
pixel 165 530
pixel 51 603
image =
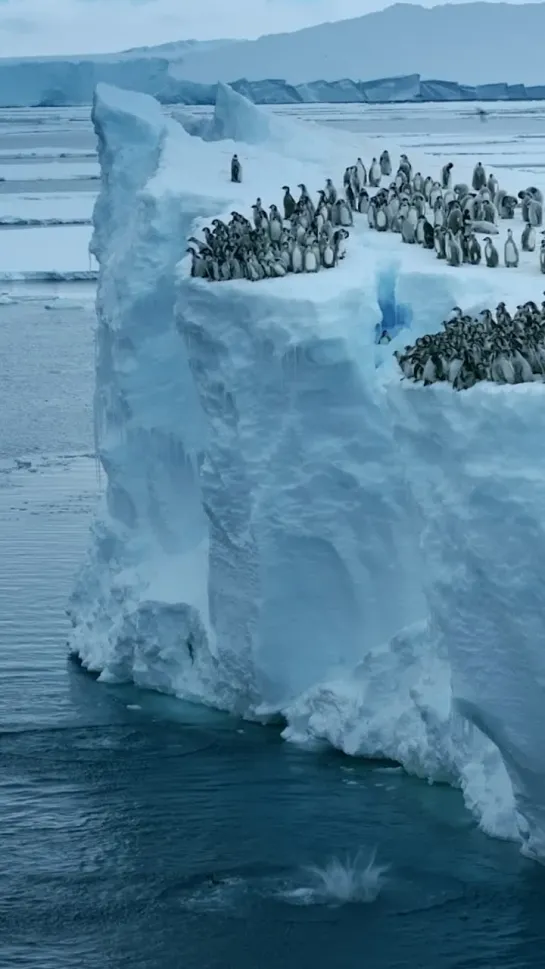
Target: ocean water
pixel 137 831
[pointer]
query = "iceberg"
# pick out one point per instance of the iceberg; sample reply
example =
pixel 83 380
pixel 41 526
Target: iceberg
pixel 287 529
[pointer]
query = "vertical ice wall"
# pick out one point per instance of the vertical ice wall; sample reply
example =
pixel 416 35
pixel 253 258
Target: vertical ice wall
pixel 312 543
pixel 478 471
pixel 142 596
pixel 256 520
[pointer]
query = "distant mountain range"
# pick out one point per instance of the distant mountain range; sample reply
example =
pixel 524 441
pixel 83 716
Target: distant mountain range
pixel 474 42
pixel 481 42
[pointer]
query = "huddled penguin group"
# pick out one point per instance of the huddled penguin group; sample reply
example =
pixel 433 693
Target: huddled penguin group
pixel 448 218
pixel 304 237
pixel 500 348
pixel 308 236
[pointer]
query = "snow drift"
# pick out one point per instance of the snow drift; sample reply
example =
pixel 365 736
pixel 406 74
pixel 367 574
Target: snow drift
pixel 287 528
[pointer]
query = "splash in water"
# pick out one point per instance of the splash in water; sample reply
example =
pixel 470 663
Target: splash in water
pixel 356 879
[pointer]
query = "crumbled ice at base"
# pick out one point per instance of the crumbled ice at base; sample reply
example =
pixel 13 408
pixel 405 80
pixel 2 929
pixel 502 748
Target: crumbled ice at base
pixel 286 527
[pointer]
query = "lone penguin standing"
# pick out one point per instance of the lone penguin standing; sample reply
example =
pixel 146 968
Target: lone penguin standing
pixel 236 169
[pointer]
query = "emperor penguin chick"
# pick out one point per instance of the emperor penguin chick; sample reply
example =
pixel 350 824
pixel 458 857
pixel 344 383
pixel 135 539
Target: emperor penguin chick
pixel 510 251
pixel 236 169
pixel 528 238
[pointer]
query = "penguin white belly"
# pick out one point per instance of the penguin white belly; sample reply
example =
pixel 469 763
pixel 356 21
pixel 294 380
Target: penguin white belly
pixel 345 215
pixel 381 220
pixel 511 254
pixel 328 257
pixel 310 262
pixel 297 259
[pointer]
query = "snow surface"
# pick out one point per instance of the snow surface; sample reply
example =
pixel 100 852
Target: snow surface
pixel 359 555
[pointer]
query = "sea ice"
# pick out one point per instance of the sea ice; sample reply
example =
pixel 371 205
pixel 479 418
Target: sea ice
pixel 47 171
pixel 60 249
pixel 33 207
pixel 287 527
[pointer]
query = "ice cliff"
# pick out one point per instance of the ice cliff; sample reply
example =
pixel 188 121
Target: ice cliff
pixel 58 82
pixel 287 528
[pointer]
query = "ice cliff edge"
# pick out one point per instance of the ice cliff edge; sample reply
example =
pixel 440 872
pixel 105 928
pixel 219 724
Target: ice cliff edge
pixel 246 538
pixel 269 540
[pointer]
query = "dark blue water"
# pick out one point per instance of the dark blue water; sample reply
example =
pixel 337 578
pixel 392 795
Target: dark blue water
pixel 139 832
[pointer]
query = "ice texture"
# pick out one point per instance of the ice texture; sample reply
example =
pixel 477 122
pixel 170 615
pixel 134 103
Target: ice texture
pixel 288 528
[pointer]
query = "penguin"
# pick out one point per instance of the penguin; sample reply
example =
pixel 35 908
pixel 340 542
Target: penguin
pixel 412 215
pixel 328 256
pixel 330 191
pixel 385 163
pixel 535 212
pixel 381 219
pixel 505 204
pixel 198 264
pixel 419 203
pixel 338 244
pixel 289 202
pixel 428 185
pixel 400 180
pixel 488 211
pixel 528 238
pixel 407 230
pixel 362 173
pixel 542 256
pixel 479 177
pixel 350 196
pixel 455 219
pixel 535 193
pixel 435 193
pixel 297 259
pixel 363 202
pixel 236 169
pixel 405 167
pixel 453 249
pixel 492 186
pixel 446 174
pixel 374 174
pixel 473 250
pixel 510 251
pixel 310 263
pixel 344 217
pixel 429 236
pixel 420 230
pixel 418 184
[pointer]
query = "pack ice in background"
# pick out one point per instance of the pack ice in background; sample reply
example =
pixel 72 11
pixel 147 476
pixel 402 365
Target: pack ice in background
pixel 289 528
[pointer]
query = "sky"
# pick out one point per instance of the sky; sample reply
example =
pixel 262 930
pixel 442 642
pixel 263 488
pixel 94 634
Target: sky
pixel 37 27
